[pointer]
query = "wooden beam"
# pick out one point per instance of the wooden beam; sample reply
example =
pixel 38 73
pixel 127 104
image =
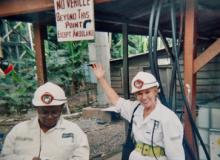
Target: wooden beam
pixel 17 7
pixel 39 36
pixel 102 1
pixel 189 76
pixel 206 56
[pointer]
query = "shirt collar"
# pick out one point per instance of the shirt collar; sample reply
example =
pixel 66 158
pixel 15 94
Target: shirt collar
pixel 156 113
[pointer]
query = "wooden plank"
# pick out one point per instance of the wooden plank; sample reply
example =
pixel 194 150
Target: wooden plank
pixel 199 99
pixel 17 7
pixel 207 100
pixel 115 73
pixel 211 67
pixel 208 89
pixel 102 1
pixel 115 68
pixel 207 67
pixel 206 56
pixel 211 89
pixel 39 34
pixel 207 75
pixel 214 60
pixel 207 82
pixel 116 85
pixel 118 88
pixel 116 79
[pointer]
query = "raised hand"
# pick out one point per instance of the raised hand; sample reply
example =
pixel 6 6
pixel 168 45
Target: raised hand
pixel 98 70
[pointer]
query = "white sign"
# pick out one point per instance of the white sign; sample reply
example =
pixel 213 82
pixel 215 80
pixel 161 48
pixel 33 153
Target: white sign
pixel 74 19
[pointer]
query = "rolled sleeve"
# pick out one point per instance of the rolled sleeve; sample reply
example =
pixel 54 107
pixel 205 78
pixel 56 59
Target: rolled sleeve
pixel 126 107
pixel 8 148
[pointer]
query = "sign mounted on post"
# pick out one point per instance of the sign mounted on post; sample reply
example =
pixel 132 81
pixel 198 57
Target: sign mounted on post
pixel 74 19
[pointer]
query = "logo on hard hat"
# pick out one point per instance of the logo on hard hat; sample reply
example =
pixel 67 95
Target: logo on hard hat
pixel 138 84
pixel 47 98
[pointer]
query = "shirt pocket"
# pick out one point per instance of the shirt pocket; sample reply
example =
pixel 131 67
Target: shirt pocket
pixel 67 141
pixel 24 145
pixel 66 146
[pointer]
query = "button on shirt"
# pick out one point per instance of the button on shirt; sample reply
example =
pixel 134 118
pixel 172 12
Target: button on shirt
pixel 168 130
pixel 65 141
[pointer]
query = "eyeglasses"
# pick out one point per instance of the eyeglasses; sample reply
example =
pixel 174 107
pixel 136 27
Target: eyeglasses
pixel 45 113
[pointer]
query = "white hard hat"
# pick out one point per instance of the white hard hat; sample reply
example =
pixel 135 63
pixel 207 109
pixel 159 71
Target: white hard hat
pixel 49 94
pixel 143 80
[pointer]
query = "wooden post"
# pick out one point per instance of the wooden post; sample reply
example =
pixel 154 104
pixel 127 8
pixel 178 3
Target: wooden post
pixel 40 31
pixel 189 76
pixel 99 52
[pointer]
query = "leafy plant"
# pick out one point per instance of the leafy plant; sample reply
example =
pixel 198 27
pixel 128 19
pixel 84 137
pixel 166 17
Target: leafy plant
pixel 17 89
pixel 64 66
pixel 136 45
pixel 65 60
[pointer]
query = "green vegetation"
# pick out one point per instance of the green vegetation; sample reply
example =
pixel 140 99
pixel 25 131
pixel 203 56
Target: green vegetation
pixel 64 62
pixel 64 66
pixel 16 89
pixel 136 45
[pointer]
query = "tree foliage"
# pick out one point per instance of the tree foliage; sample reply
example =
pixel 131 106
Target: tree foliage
pixel 16 88
pixel 65 60
pixel 64 63
pixel 136 45
pixel 64 66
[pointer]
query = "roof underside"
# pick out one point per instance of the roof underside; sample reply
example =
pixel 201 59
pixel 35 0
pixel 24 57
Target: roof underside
pixel 110 16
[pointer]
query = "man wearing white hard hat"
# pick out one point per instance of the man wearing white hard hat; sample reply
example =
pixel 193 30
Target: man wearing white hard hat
pixel 157 130
pixel 48 136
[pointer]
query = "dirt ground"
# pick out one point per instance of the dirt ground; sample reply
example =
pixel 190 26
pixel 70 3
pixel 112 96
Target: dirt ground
pixel 104 139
